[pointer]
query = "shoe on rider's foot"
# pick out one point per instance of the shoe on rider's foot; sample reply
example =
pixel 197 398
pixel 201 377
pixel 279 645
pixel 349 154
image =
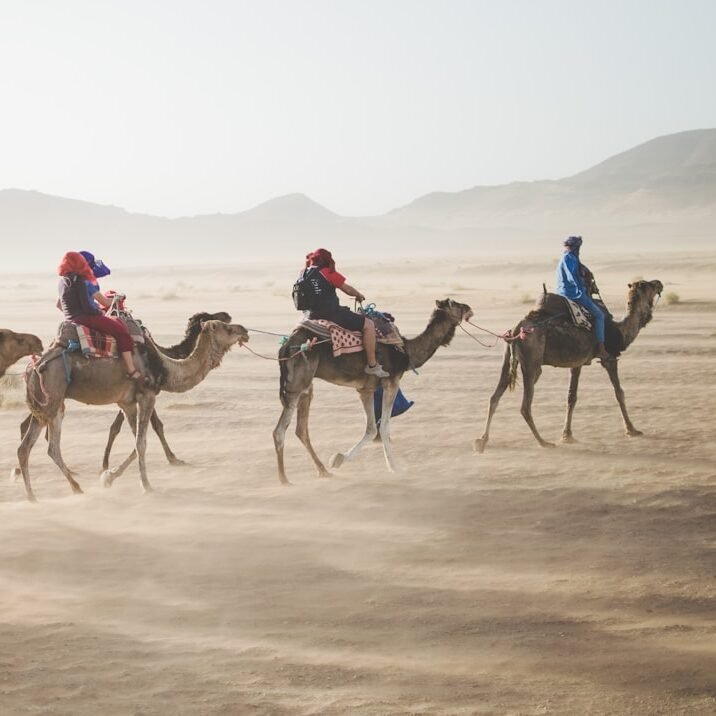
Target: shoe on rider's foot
pixel 377 371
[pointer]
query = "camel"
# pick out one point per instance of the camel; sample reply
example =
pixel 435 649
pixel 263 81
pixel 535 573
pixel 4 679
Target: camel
pixel 104 381
pixel 180 350
pixel 557 342
pixel 14 346
pixel 297 374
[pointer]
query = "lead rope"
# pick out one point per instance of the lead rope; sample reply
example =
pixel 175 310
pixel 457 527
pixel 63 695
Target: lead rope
pixel 32 366
pixel 302 350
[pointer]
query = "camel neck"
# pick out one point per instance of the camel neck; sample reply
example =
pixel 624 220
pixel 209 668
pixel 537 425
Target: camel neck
pixel 439 332
pixel 185 373
pixel 637 317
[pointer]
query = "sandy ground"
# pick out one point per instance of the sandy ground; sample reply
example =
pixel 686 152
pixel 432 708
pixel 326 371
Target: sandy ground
pixel 521 581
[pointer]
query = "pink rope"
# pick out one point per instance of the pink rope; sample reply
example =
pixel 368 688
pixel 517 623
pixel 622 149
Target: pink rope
pixel 32 366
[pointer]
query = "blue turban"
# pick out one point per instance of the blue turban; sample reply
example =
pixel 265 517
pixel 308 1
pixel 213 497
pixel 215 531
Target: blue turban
pixel 573 242
pixel 99 268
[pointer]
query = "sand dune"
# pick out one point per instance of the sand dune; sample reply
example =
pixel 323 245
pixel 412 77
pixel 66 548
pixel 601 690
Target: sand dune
pixel 522 581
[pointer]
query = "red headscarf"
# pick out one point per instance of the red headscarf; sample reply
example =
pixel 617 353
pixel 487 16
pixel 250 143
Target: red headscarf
pixel 321 258
pixel 74 262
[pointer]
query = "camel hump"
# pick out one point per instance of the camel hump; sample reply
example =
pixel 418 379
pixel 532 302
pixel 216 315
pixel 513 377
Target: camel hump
pixel 551 304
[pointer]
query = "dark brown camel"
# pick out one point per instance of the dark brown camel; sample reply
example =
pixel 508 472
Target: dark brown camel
pixel 297 374
pixel 179 350
pixel 557 342
pixel 14 346
pixel 104 381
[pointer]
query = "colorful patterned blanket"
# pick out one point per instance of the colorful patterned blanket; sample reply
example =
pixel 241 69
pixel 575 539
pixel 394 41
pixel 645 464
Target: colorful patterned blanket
pixel 344 341
pixel 93 343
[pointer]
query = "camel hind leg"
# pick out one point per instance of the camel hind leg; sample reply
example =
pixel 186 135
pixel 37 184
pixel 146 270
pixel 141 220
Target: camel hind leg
pixel 567 436
pixel 29 438
pixel 366 398
pixel 612 369
pixel 114 430
pixel 304 407
pixel 502 385
pixel 54 451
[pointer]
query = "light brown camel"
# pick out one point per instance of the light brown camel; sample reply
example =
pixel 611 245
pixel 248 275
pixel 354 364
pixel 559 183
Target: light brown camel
pixel 557 342
pixel 104 381
pixel 180 350
pixel 14 346
pixel 297 374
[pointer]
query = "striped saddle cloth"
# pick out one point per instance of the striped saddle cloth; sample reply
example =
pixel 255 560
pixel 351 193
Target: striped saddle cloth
pixel 94 344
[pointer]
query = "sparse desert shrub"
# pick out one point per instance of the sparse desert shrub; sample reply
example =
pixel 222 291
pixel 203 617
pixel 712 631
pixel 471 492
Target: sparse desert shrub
pixel 672 298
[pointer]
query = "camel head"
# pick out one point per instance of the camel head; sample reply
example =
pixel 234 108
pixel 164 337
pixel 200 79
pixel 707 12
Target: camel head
pixel 16 345
pixel 641 297
pixel 456 312
pixel 199 318
pixel 225 334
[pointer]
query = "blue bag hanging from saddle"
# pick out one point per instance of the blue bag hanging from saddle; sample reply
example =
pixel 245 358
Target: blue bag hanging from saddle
pixel 400 404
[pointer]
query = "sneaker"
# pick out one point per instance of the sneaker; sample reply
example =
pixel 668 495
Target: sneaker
pixel 377 371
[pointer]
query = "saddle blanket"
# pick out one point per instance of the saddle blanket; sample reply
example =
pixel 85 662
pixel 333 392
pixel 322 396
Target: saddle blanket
pixel 93 344
pixel 344 341
pixel 581 317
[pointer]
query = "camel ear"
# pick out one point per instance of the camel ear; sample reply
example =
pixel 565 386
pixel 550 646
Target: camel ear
pixel 443 303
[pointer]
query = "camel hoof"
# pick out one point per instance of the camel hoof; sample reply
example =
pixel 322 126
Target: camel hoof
pixel 479 445
pixel 634 433
pixel 337 460
pixel 106 478
pixel 325 473
pixel 15 474
pixel 77 490
pixel 176 462
pixel 147 490
pixel 569 439
pixel 31 497
pixel 545 444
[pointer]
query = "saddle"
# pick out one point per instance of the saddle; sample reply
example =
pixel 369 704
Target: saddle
pixel 344 341
pixel 552 304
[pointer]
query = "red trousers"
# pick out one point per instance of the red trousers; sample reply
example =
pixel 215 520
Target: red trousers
pixel 110 326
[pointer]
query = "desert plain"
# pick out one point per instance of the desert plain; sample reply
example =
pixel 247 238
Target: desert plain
pixel 573 580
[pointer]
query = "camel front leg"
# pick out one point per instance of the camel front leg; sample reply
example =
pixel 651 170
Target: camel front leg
pixel 108 476
pixel 29 438
pixel 390 390
pixel 530 375
pixel 612 369
pixel 114 430
pixel 279 434
pixel 304 407
pixel 567 436
pixel 158 427
pixel 145 402
pixel 366 398
pixel 54 451
pixel 504 382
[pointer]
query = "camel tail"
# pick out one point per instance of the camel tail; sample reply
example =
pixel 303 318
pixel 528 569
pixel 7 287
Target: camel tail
pixel 512 361
pixel 283 379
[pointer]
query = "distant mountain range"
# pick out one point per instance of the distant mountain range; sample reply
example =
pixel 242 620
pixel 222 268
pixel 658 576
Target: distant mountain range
pixel 664 189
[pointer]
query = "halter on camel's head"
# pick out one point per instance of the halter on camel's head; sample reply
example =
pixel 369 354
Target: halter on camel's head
pixel 457 312
pixel 649 290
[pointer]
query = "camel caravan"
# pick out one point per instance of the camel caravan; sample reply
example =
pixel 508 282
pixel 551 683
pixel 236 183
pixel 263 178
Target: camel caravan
pixel 102 356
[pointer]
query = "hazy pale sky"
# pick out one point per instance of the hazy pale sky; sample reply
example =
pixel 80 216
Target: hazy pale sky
pixel 177 107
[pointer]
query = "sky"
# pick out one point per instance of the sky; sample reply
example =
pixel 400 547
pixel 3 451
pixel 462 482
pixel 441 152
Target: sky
pixel 178 108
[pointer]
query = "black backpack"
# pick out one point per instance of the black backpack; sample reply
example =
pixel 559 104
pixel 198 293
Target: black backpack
pixel 308 290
